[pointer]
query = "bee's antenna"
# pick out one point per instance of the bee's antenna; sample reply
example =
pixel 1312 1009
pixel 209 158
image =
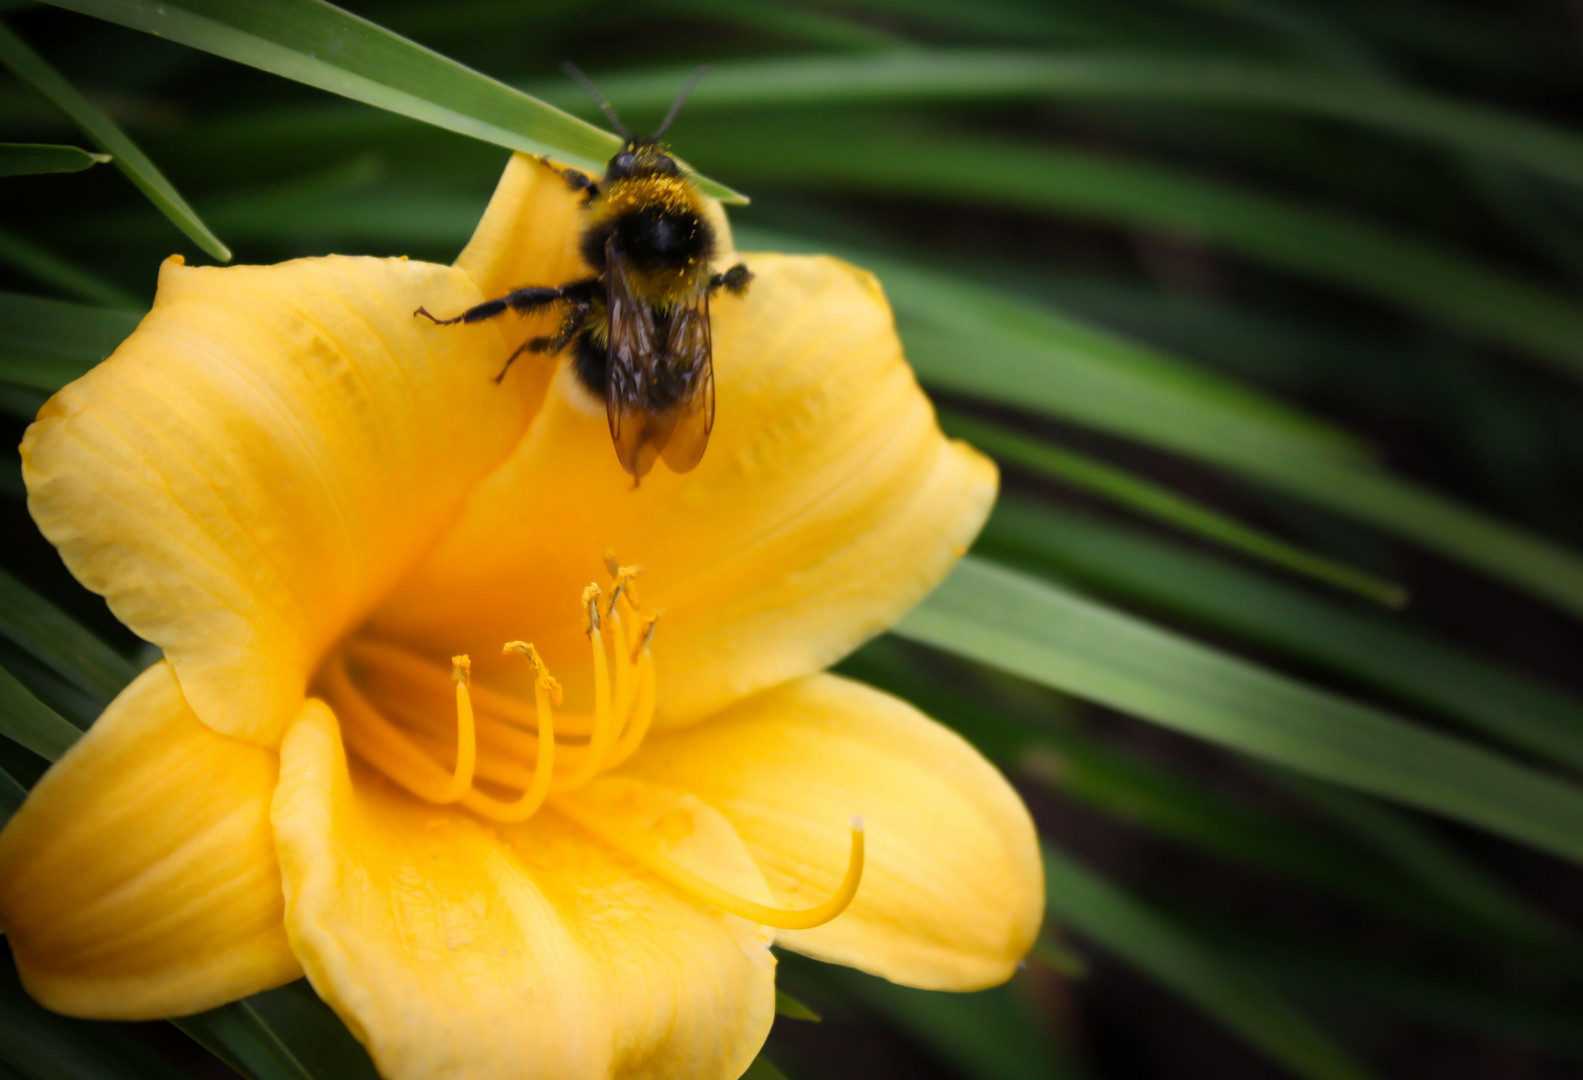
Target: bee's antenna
pixel 676 106
pixel 599 99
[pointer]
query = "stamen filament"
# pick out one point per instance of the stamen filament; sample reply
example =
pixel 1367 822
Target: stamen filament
pixel 415 675
pixel 633 736
pixel 603 733
pixel 544 687
pixel 379 743
pixel 466 732
pixel 645 847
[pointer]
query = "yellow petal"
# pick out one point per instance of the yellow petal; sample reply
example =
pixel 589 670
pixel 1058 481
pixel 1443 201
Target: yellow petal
pixel 139 879
pixel 828 502
pixel 455 949
pixel 529 232
pixel 263 458
pixel 952 893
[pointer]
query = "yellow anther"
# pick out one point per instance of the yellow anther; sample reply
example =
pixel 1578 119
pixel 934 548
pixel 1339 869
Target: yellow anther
pixel 591 603
pixel 623 576
pixel 611 563
pixel 648 634
pixel 544 765
pixel 462 669
pixel 544 679
pixel 646 848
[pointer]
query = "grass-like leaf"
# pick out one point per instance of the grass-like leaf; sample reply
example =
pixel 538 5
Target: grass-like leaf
pixel 1421 855
pixel 11 795
pixel 53 637
pixel 44 343
pixel 989 1035
pixel 1126 489
pixel 1125 926
pixel 40 1045
pixel 1177 806
pixel 792 1009
pixel 45 266
pixel 321 45
pixel 762 1068
pixel 108 136
pixel 26 159
pixel 237 1035
pixel 1345 978
pixel 1418 274
pixel 1154 77
pixel 28 721
pixel 1014 622
pixel 1378 651
pixel 313 1033
pixel 1029 357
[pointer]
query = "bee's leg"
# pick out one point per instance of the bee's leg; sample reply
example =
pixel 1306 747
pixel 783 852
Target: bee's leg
pixel 734 281
pixel 576 180
pixel 569 328
pixel 522 301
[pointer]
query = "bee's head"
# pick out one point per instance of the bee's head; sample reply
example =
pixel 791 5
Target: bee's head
pixel 641 156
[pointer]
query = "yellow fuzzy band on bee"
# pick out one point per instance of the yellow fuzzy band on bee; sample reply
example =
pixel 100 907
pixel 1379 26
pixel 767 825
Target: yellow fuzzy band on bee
pixel 673 194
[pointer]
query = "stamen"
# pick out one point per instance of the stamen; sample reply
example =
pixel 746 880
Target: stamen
pixel 380 744
pixel 545 689
pixel 644 847
pixel 466 731
pixel 604 729
pixel 642 717
pixel 499 737
pixel 623 576
pixel 648 634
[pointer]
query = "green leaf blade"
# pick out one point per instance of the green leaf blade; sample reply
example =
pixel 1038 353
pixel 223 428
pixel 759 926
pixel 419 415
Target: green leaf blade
pixel 28 721
pixel 30 159
pixel 1126 489
pixel 239 1036
pixel 318 44
pixel 973 75
pixel 1014 623
pixel 1378 651
pixel 1130 929
pixel 108 136
pixel 53 637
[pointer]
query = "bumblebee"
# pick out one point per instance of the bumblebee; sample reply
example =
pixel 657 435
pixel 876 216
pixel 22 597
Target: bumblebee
pixel 638 327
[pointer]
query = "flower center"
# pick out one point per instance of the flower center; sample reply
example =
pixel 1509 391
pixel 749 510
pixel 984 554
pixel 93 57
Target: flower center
pixel 509 746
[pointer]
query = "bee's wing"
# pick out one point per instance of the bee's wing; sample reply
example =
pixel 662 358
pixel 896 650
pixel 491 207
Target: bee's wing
pixel 633 352
pixel 689 360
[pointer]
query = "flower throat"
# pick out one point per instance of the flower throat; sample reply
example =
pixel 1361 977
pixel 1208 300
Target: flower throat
pixel 511 747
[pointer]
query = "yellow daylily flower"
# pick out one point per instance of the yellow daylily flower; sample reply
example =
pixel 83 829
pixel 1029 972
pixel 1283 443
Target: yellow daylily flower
pixel 311 502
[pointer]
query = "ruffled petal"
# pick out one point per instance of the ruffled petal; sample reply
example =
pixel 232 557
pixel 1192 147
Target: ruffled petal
pixel 263 458
pixel 139 879
pixel 952 894
pixel 452 949
pixel 827 504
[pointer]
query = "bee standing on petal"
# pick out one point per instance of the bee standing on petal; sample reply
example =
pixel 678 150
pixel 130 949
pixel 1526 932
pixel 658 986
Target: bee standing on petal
pixel 638 327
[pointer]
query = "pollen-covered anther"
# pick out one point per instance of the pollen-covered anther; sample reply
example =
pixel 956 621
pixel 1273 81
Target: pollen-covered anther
pixel 622 582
